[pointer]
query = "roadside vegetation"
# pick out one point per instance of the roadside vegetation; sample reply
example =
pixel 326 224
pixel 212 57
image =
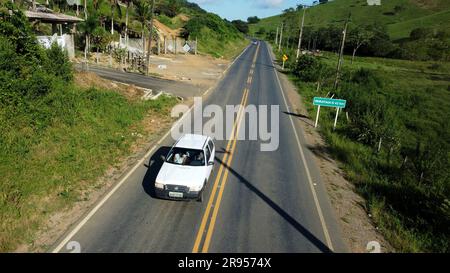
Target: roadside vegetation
pixel 56 139
pixel 392 139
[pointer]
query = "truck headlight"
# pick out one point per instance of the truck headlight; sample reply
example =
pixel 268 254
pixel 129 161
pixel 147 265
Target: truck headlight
pixel 159 185
pixel 197 187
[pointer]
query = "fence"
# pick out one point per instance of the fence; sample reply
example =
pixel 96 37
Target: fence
pixel 164 45
pixel 65 41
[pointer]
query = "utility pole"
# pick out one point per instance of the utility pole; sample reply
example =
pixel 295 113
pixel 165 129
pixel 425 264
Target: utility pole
pixel 341 53
pixel 150 38
pixel 300 36
pixel 87 36
pixel 276 37
pixel 281 37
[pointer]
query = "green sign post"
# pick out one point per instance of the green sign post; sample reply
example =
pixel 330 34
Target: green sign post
pixel 328 102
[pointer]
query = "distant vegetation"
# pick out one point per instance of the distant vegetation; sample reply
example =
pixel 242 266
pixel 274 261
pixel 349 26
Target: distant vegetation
pixel 388 26
pixel 56 138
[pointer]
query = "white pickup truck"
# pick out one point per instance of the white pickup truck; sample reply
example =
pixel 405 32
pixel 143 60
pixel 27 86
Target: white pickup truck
pixel 186 168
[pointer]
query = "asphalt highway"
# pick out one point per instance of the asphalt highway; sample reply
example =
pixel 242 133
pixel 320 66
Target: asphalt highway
pixel 256 201
pixel 184 90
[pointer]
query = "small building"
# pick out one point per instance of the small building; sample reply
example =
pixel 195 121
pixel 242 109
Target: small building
pixel 374 2
pixel 63 28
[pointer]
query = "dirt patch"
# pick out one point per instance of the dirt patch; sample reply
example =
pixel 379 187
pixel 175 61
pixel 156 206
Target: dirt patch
pixel 427 4
pixel 356 224
pixel 165 30
pixel 198 70
pixel 202 71
pixel 183 17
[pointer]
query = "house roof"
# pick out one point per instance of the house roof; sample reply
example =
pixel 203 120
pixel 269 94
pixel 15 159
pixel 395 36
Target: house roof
pixel 52 17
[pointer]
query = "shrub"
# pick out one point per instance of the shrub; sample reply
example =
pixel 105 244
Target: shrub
pixel 58 64
pixel 309 69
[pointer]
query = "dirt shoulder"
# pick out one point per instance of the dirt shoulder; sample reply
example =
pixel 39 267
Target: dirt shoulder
pixel 198 70
pixel 349 207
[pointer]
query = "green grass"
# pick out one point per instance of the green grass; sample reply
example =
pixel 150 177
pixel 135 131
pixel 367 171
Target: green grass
pixel 46 170
pixel 438 20
pixel 400 23
pixel 398 204
pixel 173 23
pixel 211 45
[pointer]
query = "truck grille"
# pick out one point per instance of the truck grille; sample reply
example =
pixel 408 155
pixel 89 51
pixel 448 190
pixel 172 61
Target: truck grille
pixel 177 188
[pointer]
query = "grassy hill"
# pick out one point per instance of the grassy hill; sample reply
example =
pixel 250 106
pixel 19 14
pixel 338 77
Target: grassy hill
pixel 400 16
pixel 216 36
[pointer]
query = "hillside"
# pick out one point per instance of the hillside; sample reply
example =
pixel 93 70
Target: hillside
pixel 400 16
pixel 216 37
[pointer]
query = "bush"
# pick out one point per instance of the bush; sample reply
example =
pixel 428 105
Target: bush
pixel 27 70
pixel 58 63
pixel 420 33
pixel 309 69
pixel 253 20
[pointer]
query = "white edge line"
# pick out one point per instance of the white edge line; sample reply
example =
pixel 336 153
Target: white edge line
pixel 117 186
pixel 316 200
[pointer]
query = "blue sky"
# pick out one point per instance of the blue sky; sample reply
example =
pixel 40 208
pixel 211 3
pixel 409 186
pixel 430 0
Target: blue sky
pixel 242 9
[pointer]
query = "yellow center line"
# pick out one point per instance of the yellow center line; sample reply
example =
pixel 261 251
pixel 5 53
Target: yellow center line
pixel 213 193
pixel 227 158
pixel 225 176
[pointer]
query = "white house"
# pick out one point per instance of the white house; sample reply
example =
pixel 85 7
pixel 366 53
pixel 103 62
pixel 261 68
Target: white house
pixel 374 2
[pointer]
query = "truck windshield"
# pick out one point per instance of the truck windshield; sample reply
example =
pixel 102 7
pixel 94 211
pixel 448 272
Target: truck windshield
pixel 186 157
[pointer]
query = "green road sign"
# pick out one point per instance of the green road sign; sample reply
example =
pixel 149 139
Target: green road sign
pixel 329 102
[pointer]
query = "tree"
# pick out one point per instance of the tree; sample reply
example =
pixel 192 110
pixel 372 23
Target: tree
pixel 127 4
pixel 114 4
pixel 253 20
pixel 380 44
pixel 142 10
pixel 87 27
pixel 241 26
pixel 420 33
pixel 261 31
pixel 358 37
pixel 100 39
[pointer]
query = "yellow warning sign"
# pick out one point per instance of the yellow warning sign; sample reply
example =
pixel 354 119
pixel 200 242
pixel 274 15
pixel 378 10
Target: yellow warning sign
pixel 285 57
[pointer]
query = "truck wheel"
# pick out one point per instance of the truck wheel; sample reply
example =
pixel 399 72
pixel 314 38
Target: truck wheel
pixel 200 197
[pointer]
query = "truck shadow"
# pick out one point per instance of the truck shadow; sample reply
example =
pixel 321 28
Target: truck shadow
pixel 288 218
pixel 153 166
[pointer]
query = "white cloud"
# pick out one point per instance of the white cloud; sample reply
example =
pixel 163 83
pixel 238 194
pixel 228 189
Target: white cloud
pixel 266 4
pixel 200 2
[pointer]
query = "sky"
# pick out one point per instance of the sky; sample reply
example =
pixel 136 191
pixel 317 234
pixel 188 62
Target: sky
pixel 242 9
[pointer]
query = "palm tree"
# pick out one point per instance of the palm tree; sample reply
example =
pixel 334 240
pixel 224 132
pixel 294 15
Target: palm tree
pixel 88 26
pixel 127 4
pixel 143 14
pixel 114 5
